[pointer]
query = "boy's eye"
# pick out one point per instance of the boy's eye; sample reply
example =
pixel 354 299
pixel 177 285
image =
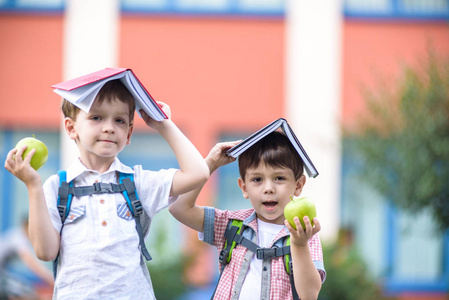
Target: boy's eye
pixel 121 121
pixel 95 118
pixel 280 178
pixel 256 179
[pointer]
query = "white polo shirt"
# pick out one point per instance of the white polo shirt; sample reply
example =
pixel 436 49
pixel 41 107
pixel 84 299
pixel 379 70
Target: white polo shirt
pixel 99 255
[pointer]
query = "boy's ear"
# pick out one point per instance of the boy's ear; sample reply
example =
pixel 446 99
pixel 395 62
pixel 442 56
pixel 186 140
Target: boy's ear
pixel 242 186
pixel 300 185
pixel 69 125
pixel 130 133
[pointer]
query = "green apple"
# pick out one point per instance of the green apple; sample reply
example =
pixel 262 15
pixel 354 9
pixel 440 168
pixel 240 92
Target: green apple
pixel 40 156
pixel 300 207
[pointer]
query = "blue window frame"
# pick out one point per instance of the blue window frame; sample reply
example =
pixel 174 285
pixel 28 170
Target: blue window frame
pixel 397 9
pixel 363 9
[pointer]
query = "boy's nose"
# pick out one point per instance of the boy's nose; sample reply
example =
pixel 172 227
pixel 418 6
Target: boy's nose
pixel 268 188
pixel 108 127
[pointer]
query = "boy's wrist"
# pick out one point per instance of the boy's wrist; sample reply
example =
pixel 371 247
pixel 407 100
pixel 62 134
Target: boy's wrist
pixel 162 126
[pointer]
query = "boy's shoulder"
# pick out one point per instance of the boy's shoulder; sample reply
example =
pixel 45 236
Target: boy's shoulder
pixel 241 214
pixel 244 215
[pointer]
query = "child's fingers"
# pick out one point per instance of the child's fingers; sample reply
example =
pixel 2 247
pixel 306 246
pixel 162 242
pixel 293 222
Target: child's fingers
pixel 11 154
pixel 308 224
pixel 10 159
pixel 29 156
pixel 317 226
pixel 298 224
pixel 289 227
pixel 165 108
pixel 18 155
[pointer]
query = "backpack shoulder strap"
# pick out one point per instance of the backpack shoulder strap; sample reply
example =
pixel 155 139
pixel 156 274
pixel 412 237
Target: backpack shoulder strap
pixel 287 260
pixel 135 206
pixel 289 268
pixel 63 204
pixel 229 235
pixel 64 197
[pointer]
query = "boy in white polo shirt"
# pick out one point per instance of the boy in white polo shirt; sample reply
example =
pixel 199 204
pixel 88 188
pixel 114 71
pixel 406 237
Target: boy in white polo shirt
pixel 99 255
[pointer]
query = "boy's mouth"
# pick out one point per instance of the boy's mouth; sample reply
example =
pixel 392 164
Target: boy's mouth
pixel 269 204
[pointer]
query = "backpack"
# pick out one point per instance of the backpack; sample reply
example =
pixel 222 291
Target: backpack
pixel 126 186
pixel 234 236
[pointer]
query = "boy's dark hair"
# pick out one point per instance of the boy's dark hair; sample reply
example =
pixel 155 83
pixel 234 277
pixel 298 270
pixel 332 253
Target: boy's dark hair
pixel 275 150
pixel 113 89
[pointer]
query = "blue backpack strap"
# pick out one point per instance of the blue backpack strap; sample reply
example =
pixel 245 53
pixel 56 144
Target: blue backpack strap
pixel 135 206
pixel 64 203
pixel 64 197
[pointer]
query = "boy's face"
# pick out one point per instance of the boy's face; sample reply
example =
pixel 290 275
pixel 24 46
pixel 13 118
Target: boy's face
pixel 269 190
pixel 102 132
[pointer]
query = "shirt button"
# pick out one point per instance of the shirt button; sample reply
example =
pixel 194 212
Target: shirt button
pixel 104 223
pixel 71 217
pixel 128 213
pixel 264 268
pixel 102 201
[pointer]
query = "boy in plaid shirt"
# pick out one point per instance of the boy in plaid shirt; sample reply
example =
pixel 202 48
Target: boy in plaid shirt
pixel 270 172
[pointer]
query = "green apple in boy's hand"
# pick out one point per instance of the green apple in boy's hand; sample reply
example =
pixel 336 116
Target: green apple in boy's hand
pixel 40 156
pixel 300 207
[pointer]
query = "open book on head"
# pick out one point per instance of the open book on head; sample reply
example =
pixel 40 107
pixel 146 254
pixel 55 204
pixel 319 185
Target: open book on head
pixel 279 123
pixel 81 91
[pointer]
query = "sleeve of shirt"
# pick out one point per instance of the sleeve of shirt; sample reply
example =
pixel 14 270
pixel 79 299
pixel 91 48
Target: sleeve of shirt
pixel 215 222
pixel 153 188
pixel 51 187
pixel 208 235
pixel 316 252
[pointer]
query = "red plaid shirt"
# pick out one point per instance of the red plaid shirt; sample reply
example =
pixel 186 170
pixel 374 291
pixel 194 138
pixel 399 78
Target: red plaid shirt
pixel 215 225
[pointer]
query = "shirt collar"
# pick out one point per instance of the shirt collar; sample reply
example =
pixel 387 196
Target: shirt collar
pixel 77 168
pixel 251 221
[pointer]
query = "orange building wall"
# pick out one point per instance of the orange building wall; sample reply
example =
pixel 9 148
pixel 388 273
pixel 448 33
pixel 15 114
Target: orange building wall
pixel 215 73
pixel 30 61
pixel 377 50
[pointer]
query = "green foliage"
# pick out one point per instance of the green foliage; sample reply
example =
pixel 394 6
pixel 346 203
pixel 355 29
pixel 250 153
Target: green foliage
pixel 167 278
pixel 347 276
pixel 403 141
pixel 169 264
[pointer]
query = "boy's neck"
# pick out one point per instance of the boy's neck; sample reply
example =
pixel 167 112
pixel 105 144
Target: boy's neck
pixel 98 164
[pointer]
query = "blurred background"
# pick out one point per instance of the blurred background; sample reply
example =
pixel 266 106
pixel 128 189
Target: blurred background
pixel 364 84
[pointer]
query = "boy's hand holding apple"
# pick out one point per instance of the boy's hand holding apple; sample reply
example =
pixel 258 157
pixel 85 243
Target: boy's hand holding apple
pixel 26 158
pixel 301 221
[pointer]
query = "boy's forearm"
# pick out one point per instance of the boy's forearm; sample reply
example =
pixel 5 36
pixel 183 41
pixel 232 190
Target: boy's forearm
pixel 187 212
pixel 308 281
pixel 43 236
pixel 193 171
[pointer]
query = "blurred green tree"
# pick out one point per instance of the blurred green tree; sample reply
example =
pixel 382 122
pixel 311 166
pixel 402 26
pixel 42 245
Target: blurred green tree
pixel 403 139
pixel 169 263
pixel 347 276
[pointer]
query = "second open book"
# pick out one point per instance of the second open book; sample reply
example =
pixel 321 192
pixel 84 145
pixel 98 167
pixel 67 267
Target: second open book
pixel 279 123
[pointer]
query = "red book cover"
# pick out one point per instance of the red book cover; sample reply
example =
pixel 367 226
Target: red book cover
pixel 89 78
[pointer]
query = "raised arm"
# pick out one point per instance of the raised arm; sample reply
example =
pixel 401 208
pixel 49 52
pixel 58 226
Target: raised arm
pixel 308 283
pixel 193 171
pixel 43 236
pixel 184 209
